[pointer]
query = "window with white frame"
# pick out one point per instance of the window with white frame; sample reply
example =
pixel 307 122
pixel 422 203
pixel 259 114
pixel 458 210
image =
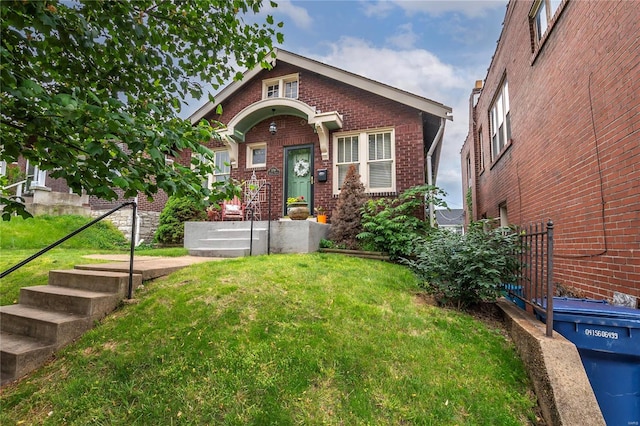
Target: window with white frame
pixel 196 160
pixel 256 155
pixel 222 171
pixel 500 120
pixel 481 149
pixel 281 87
pixel 542 13
pixel 373 154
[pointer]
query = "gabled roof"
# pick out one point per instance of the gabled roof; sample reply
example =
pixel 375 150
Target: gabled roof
pixel 423 104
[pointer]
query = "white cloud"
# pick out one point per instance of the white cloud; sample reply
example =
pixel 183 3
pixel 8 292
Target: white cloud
pixel 298 15
pixel 469 8
pixel 404 38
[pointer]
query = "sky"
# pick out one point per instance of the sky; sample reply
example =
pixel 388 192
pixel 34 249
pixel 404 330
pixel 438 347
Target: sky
pixel 435 49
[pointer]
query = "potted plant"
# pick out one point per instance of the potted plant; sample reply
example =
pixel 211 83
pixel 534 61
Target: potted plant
pixel 297 208
pixel 321 214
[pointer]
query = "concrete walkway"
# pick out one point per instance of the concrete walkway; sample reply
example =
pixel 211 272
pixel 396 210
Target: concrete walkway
pixel 149 267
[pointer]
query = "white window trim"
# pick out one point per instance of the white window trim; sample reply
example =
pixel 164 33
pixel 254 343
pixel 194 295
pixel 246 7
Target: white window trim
pixel 280 81
pixel 209 177
pixel 250 149
pixel 216 173
pixel 363 159
pixel 500 108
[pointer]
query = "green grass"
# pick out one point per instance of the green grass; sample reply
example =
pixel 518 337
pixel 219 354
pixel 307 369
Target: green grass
pixel 281 339
pixel 40 231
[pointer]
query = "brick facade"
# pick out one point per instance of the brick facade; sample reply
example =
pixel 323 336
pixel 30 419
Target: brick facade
pixel 361 110
pixel 574 154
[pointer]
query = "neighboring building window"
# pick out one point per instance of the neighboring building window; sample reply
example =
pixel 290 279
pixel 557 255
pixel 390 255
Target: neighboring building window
pixel 481 149
pixel 256 155
pixel 500 120
pixel 541 16
pixel 374 159
pixel 469 172
pixel 504 219
pixel 281 87
pixel 222 170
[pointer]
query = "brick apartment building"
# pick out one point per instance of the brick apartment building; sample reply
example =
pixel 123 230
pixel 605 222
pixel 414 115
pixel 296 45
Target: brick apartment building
pixel 555 134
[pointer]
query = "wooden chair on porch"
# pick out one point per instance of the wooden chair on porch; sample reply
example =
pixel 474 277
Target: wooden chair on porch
pixel 232 209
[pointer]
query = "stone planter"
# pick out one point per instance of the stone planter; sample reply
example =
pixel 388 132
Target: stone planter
pixel 298 211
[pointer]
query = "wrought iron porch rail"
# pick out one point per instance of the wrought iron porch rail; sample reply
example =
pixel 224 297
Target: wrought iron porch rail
pixel 77 231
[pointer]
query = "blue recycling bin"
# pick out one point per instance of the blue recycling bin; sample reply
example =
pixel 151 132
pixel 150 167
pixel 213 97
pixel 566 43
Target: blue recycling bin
pixel 608 340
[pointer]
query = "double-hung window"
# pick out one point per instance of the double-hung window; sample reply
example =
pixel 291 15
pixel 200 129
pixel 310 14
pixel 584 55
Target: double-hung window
pixel 543 12
pixel 222 170
pixel 373 155
pixel 285 86
pixel 500 119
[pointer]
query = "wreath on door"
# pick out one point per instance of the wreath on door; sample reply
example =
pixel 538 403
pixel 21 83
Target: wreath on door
pixel 301 168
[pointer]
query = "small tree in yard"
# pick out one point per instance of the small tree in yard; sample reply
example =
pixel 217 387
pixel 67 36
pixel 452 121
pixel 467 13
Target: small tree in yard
pixel 462 270
pixel 394 225
pixel 346 222
pixel 176 212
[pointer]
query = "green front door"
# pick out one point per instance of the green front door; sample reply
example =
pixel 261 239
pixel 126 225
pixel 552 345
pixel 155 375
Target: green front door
pixel 299 174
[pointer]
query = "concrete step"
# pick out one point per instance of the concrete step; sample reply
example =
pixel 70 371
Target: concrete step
pixel 93 280
pixel 219 252
pixel 235 233
pixel 71 300
pixel 21 355
pixel 57 328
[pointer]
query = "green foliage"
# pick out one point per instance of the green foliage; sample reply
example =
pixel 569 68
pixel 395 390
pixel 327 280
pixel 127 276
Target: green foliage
pixel 462 270
pixel 91 90
pixel 346 221
pixel 395 225
pixel 177 211
pixel 40 231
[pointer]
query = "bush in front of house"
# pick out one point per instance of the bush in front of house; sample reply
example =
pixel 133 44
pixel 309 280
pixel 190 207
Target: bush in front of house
pixel 396 225
pixel 177 211
pixel 463 270
pixel 346 221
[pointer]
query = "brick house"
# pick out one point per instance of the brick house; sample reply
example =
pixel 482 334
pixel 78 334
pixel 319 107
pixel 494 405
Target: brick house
pixel 325 119
pixel 300 124
pixel 555 134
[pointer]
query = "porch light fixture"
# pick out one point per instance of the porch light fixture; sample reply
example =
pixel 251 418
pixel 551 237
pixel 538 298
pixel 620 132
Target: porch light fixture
pixel 272 127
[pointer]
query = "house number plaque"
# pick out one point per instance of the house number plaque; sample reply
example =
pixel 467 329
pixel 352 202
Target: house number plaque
pixel 274 171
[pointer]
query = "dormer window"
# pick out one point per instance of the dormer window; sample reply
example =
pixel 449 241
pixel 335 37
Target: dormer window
pixel 285 86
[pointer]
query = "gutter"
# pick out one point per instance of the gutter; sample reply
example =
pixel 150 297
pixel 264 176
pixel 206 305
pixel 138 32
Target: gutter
pixel 436 142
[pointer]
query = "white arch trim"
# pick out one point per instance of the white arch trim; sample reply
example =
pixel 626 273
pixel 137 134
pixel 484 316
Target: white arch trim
pixel 322 122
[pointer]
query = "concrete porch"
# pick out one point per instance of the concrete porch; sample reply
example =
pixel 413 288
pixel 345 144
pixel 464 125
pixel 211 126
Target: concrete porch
pixel 233 239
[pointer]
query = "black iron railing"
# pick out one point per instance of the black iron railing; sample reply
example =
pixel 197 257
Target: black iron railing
pixel 250 208
pixel 535 281
pixel 77 231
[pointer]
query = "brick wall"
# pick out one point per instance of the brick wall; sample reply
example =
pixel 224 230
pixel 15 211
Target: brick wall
pixel 575 151
pixel 361 110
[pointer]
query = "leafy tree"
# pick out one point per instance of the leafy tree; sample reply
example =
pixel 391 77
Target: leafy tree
pixel 91 90
pixel 346 219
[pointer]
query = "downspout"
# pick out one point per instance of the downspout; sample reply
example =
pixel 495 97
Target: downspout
pixel 436 141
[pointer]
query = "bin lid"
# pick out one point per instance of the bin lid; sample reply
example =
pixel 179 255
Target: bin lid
pixel 594 307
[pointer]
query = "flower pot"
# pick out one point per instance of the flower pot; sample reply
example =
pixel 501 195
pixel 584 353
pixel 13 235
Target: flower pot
pixel 322 218
pixel 298 211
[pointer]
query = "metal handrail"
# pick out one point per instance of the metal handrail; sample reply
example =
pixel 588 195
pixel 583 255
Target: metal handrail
pixel 18 185
pixel 250 203
pixel 77 231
